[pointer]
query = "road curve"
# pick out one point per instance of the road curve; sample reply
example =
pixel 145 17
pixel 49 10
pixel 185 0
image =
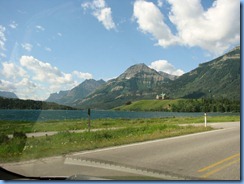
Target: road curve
pixel 213 155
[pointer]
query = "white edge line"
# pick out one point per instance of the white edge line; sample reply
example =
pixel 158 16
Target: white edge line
pixel 147 142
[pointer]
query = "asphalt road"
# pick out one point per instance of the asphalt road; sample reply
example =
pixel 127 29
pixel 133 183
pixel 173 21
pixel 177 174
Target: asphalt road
pixel 213 155
pixel 208 155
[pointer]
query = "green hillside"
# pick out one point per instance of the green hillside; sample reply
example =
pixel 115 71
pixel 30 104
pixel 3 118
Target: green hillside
pixel 183 105
pixel 219 78
pixel 148 105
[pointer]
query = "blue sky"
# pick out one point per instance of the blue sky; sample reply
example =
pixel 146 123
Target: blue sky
pixel 48 46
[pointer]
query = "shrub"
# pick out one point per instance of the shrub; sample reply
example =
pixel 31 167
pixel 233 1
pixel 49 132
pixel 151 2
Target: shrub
pixel 3 138
pixel 103 135
pixel 19 135
pixel 128 103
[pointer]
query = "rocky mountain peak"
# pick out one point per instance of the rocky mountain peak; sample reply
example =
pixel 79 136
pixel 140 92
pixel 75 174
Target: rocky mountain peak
pixel 135 70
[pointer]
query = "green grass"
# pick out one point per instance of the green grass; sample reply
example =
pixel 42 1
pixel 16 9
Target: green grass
pixel 9 127
pixel 66 142
pixel 148 105
pixel 131 130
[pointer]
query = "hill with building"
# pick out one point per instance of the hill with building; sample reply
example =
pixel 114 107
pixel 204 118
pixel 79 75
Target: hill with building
pixel 137 82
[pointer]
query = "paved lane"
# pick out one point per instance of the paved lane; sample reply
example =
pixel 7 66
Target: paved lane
pixel 208 155
pixel 176 158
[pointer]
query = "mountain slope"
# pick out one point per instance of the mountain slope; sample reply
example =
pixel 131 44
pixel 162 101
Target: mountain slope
pixel 77 93
pixel 217 78
pixel 137 82
pixel 56 97
pixel 7 94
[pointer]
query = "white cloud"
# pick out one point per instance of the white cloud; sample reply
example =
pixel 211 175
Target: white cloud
pixel 10 70
pixel 2 41
pixel 40 28
pixel 7 86
pixel 215 30
pixel 44 72
pixel 27 46
pixel 82 75
pixel 13 25
pixel 101 11
pixel 160 3
pixel 35 79
pixel 26 82
pixel 27 89
pixel 48 49
pixel 49 77
pixel 151 20
pixel 165 66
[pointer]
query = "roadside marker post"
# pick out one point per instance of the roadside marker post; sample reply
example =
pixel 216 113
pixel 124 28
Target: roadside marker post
pixel 205 119
pixel 89 119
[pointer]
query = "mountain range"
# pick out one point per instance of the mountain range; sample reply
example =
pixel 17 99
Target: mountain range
pixel 219 78
pixel 137 82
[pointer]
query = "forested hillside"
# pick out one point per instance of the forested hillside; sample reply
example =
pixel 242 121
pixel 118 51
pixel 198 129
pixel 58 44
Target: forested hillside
pixel 9 103
pixel 183 105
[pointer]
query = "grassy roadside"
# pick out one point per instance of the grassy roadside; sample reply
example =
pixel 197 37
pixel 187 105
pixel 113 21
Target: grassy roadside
pixel 66 142
pixel 9 127
pixel 135 130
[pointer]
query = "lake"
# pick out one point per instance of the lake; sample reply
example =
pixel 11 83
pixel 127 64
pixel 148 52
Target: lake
pixel 46 115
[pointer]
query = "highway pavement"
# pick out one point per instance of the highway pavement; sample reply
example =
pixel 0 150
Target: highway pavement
pixel 213 155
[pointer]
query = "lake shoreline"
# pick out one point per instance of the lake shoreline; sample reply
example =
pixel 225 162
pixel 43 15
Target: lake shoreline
pixel 60 115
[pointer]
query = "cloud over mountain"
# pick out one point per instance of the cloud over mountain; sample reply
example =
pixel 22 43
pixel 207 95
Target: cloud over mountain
pixel 165 66
pixel 35 79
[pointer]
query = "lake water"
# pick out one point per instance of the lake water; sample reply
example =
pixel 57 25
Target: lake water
pixel 46 115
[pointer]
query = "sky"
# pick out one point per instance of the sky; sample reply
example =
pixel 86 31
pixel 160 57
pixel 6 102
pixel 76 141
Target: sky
pixel 48 46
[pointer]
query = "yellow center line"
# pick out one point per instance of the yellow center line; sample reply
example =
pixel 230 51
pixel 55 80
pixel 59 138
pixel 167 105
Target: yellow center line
pixel 218 163
pixel 220 168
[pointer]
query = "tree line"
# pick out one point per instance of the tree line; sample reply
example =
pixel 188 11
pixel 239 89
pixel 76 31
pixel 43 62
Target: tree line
pixel 206 105
pixel 10 103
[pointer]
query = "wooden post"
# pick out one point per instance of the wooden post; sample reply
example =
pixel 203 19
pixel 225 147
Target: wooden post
pixel 89 119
